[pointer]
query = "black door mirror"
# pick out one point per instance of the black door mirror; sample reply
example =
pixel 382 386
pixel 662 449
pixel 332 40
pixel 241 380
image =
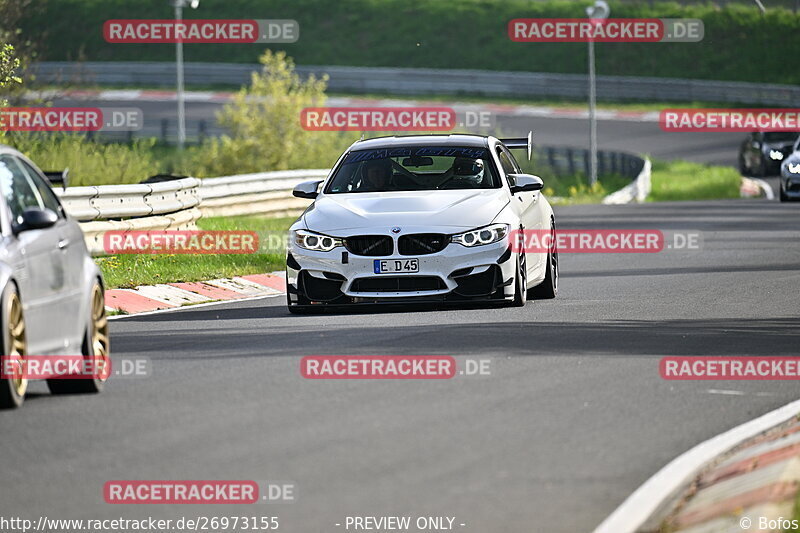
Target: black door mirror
pixel 35 218
pixel 525 183
pixel 307 189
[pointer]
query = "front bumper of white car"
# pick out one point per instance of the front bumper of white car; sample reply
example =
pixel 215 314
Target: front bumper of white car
pixel 347 275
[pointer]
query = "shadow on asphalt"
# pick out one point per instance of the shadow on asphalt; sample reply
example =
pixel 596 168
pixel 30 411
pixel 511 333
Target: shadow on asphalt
pixel 280 311
pixel 776 337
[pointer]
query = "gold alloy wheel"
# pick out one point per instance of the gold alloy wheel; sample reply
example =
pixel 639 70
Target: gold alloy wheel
pixel 16 336
pixel 99 341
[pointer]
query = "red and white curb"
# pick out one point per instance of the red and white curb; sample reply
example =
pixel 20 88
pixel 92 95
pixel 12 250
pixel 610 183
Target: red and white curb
pixel 751 489
pixel 148 298
pixel 723 485
pixel 144 95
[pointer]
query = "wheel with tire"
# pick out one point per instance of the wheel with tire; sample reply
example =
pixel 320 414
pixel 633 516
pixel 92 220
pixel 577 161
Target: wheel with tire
pixel 95 348
pixel 15 347
pixel 783 195
pixel 520 281
pixel 548 289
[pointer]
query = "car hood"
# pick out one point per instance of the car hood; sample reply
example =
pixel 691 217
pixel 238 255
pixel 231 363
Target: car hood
pixel 459 209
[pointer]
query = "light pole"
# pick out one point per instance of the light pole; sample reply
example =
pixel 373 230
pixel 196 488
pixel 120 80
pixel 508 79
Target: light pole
pixel 179 5
pixel 596 12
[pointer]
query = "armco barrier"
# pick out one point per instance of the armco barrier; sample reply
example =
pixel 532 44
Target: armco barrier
pixel 178 204
pixel 262 193
pixel 430 81
pixel 166 205
pixel 636 191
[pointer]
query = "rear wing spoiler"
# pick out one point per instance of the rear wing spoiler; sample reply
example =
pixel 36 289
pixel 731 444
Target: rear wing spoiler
pixel 520 142
pixel 58 177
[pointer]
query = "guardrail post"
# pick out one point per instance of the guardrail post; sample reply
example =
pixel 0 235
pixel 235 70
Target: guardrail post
pixel 164 130
pixel 201 131
pixel 551 157
pixel 587 162
pixel 570 161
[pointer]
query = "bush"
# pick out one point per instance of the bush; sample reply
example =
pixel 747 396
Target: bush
pixel 264 124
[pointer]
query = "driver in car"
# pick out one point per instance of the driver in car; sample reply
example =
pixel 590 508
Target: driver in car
pixel 377 174
pixel 465 173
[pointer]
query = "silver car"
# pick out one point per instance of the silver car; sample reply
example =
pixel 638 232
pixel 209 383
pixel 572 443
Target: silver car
pixel 52 291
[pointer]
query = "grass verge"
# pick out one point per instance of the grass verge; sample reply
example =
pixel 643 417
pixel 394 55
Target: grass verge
pixel 684 180
pixel 130 270
pixel 576 189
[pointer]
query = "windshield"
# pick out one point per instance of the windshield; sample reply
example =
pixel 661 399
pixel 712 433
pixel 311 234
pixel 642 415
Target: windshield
pixel 418 168
pixel 780 136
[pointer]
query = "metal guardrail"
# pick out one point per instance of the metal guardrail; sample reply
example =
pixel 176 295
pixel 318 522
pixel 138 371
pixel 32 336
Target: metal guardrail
pixel 169 205
pixel 430 81
pixel 108 202
pixel 178 204
pixel 262 193
pixel 567 161
pixel 636 191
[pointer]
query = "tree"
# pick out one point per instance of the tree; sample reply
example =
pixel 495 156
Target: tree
pixel 9 63
pixel 263 122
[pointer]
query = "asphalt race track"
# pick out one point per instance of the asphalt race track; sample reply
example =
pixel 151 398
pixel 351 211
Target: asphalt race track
pixel 637 137
pixel 573 417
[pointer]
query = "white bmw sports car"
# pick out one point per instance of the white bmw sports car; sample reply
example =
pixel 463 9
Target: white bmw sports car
pixel 421 218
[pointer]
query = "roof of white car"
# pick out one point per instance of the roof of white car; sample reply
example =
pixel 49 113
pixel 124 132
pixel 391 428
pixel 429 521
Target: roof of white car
pixel 458 139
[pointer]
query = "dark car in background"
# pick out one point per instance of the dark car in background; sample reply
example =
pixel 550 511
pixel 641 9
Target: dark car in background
pixel 762 153
pixel 790 175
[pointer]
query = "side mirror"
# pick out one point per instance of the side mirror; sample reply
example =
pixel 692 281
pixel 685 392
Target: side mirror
pixel 525 183
pixel 307 189
pixel 35 218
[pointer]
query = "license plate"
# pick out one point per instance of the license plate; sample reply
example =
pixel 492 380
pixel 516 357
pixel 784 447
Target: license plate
pixel 388 266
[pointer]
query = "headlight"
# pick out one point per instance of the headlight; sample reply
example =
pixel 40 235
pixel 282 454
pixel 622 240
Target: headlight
pixel 481 236
pixel 793 169
pixel 776 155
pixel 315 241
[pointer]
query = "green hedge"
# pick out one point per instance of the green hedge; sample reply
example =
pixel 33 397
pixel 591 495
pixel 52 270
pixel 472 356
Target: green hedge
pixel 740 44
